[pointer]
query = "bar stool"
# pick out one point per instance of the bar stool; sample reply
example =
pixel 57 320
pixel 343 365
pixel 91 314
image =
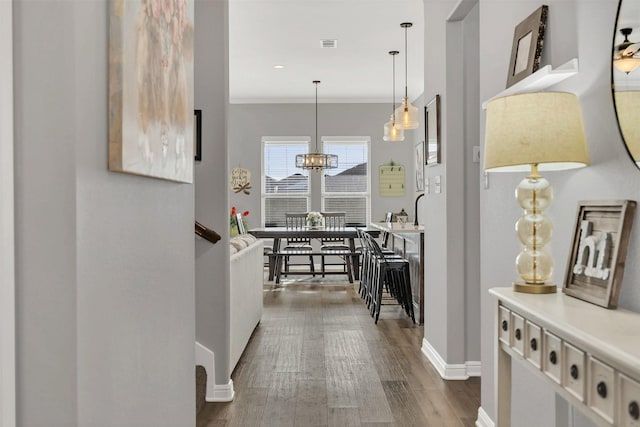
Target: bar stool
pixel 386 272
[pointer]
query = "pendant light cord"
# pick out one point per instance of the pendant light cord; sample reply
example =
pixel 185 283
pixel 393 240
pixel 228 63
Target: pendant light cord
pixel 393 100
pixel 316 83
pixel 406 67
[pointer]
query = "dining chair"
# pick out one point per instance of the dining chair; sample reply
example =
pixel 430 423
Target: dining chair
pixel 333 221
pixel 297 222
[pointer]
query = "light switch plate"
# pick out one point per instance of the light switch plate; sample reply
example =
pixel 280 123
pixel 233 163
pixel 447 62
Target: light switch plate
pixel 436 185
pixel 476 154
pixel 427 186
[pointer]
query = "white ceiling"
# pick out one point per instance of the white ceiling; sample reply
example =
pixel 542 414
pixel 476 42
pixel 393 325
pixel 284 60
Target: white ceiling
pixel 264 33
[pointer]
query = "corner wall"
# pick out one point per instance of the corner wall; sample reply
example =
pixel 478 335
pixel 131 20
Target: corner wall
pixel 452 258
pixel 7 246
pixel 104 261
pixel 211 184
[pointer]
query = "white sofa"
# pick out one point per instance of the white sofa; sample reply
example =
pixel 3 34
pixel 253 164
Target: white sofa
pixel 247 277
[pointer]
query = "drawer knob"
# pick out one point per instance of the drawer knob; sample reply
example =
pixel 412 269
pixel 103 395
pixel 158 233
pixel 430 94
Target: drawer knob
pixel 518 334
pixel 553 357
pixel 574 372
pixel 505 325
pixel 602 389
pixel 634 410
pixel 534 344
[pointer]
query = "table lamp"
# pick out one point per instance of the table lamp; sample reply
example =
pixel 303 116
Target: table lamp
pixel 534 132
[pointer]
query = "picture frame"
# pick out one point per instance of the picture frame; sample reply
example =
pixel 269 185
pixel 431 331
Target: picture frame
pixel 419 165
pixel 432 134
pixel 599 250
pixel 526 50
pixel 151 132
pixel 240 224
pixel 197 135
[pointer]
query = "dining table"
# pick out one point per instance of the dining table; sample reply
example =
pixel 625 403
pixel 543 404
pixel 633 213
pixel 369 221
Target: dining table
pixel 350 234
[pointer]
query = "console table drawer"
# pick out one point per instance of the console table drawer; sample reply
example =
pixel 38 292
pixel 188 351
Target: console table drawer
pixel 517 339
pixel 601 389
pixel 533 347
pixel 629 403
pixel 552 362
pixel 574 372
pixel 504 325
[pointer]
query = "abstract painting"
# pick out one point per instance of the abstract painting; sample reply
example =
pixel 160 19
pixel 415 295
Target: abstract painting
pixel 151 88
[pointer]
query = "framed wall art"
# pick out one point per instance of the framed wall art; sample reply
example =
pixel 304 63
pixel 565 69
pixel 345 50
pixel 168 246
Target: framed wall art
pixel 526 50
pixel 151 88
pixel 419 156
pixel 432 132
pixel 599 250
pixel 391 179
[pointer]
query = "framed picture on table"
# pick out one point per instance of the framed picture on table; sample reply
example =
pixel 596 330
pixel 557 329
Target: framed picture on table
pixel 599 251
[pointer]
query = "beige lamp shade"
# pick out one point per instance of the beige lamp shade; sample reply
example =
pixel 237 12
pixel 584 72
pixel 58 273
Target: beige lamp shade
pixel 628 109
pixel 543 128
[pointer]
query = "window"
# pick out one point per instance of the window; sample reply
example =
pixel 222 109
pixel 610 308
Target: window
pixel 285 188
pixel 346 189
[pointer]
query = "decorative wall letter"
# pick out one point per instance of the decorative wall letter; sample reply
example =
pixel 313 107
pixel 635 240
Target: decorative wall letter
pixel 593 253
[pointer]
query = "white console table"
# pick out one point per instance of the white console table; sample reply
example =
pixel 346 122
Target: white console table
pixel 587 354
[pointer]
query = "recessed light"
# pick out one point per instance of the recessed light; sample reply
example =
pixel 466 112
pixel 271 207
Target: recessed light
pixel 278 67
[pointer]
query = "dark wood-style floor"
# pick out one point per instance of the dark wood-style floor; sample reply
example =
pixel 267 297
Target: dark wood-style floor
pixel 317 359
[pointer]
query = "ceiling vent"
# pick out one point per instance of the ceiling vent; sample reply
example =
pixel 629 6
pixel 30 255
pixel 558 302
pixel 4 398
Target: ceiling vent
pixel 328 44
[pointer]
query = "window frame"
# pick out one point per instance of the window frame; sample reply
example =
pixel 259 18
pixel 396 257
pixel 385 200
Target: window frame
pixel 280 140
pixel 349 140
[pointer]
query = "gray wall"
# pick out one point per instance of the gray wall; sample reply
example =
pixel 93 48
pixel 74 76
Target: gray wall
pixel 452 310
pixel 248 123
pixel 581 29
pixel 212 261
pixel 104 261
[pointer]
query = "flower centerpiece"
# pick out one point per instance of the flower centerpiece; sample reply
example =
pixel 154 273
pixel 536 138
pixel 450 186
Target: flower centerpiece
pixel 233 222
pixel 314 219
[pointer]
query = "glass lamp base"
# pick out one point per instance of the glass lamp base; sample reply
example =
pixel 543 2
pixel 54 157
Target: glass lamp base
pixel 532 288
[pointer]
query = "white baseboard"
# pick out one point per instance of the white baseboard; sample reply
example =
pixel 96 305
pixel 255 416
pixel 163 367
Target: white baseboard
pixel 222 393
pixel 214 392
pixel 473 368
pixel 461 371
pixel 483 419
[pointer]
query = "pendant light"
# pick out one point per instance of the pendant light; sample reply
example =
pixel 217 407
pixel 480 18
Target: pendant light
pixel 406 114
pixel 316 160
pixel 391 131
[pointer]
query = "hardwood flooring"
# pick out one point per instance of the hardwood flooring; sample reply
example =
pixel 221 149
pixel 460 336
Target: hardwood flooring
pixel 317 359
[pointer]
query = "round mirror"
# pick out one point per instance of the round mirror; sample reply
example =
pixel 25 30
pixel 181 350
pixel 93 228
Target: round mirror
pixel 625 74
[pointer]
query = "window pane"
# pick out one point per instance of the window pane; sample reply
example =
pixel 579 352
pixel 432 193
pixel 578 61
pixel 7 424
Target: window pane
pixel 355 207
pixel 352 172
pixel 346 189
pixel 296 183
pixel 282 179
pixel 275 209
pixel 281 174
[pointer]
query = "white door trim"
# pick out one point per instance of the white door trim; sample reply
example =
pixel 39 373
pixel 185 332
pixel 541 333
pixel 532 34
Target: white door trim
pixel 7 248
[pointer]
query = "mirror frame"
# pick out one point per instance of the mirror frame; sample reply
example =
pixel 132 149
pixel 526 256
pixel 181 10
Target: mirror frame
pixel 613 86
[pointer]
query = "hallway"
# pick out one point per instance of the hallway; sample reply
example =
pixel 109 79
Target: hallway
pixel 317 359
